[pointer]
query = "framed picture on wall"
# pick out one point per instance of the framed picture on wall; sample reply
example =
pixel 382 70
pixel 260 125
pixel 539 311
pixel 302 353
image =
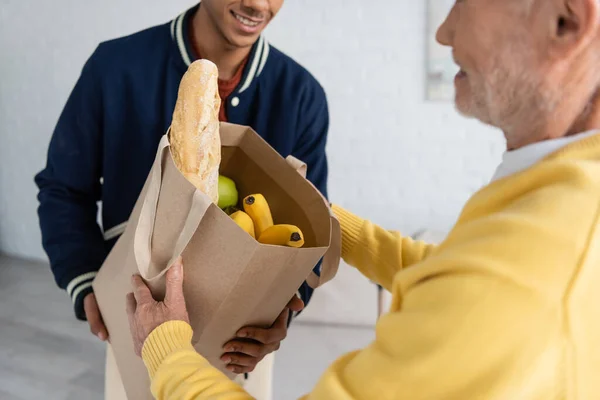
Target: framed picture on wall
pixel 440 66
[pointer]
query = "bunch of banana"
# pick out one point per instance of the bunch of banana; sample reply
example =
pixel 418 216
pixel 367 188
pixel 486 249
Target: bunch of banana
pixel 266 232
pixel 256 218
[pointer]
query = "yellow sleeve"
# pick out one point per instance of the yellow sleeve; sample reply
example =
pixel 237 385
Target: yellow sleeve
pixel 377 253
pixel 457 337
pixel 178 372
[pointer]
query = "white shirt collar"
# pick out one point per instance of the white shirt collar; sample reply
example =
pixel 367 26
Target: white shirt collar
pixel 518 160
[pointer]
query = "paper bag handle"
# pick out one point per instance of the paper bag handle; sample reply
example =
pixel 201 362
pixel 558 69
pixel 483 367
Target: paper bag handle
pixel 298 165
pixel 331 259
pixel 142 240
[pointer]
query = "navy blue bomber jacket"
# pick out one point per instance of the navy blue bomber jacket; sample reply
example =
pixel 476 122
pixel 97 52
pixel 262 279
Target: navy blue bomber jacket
pixel 106 138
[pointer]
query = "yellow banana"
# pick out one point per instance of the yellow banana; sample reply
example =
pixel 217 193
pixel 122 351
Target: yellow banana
pixel 282 235
pixel 257 208
pixel 244 221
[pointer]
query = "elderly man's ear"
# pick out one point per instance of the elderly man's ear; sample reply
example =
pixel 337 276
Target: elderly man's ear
pixel 574 24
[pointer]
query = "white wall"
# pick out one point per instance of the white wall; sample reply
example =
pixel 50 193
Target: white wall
pixel 401 161
pixel 44 45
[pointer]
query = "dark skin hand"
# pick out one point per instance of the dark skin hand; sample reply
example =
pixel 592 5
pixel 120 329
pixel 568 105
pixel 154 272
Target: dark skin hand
pixel 94 318
pixel 252 344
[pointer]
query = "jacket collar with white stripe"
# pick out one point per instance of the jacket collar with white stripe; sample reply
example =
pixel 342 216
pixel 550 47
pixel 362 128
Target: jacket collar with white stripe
pixel 258 54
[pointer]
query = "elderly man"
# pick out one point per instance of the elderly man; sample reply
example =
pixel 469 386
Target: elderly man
pixel 507 306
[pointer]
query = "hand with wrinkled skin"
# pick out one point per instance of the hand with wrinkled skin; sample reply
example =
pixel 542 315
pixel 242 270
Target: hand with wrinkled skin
pixel 252 344
pixel 146 314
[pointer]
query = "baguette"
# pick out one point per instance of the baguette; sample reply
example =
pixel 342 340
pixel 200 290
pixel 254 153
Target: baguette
pixel 194 136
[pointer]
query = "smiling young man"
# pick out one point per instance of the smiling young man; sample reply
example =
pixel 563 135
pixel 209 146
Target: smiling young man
pixel 106 138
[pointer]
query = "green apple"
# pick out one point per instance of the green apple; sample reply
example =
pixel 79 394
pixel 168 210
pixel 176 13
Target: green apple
pixel 228 194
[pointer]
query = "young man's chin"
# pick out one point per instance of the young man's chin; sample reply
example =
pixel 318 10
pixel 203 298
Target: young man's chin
pixel 241 41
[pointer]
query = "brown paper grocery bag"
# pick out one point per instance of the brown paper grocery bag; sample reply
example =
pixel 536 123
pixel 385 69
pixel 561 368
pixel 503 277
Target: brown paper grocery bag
pixel 230 279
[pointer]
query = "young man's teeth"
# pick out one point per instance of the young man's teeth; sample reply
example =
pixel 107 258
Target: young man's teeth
pixel 245 21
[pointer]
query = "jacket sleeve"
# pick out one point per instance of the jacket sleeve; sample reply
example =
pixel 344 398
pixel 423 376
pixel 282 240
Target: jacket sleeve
pixel 310 148
pixel 312 140
pixel 378 253
pixel 69 189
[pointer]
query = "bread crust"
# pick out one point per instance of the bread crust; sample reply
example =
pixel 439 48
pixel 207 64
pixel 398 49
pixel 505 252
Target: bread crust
pixel 194 136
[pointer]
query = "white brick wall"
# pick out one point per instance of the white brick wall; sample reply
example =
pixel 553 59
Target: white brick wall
pixel 394 158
